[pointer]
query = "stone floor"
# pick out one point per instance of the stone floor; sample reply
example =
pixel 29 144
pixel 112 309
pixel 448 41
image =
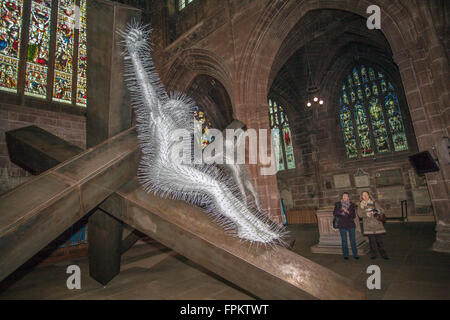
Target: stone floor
pixel 148 271
pixel 413 271
pixel 151 271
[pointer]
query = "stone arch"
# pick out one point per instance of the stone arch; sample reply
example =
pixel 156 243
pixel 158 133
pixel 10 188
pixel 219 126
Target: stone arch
pixel 192 62
pixel 296 41
pixel 338 70
pixel 278 19
pixel 343 62
pixel 213 99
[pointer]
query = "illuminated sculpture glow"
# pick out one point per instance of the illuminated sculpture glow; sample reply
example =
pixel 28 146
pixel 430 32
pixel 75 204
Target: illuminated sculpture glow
pixel 158 115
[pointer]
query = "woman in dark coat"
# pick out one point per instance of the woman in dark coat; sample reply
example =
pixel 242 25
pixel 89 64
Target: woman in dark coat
pixel 344 211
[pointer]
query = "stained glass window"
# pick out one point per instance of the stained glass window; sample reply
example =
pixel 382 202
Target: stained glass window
pixel 38 48
pixel 62 81
pixel 395 121
pixel 203 126
pixel 362 126
pixel 281 136
pixel 349 132
pixel 378 126
pixel 183 3
pixel 82 56
pixel 371 119
pixel 67 77
pixel 10 30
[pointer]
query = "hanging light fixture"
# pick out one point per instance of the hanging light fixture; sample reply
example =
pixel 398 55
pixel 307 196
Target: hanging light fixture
pixel 312 90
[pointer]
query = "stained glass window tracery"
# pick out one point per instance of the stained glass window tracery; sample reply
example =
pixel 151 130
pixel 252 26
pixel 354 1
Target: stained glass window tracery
pixel 62 81
pixel 82 57
pixel 281 137
pixel 38 49
pixel 10 31
pixel 68 78
pixel 371 119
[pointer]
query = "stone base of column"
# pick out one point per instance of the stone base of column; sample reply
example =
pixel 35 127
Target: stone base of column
pixel 442 243
pixel 330 238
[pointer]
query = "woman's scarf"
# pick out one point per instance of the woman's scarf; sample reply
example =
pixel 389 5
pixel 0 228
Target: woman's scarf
pixel 368 205
pixel 345 204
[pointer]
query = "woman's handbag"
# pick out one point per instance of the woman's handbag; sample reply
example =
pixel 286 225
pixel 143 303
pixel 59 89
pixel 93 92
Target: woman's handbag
pixel 380 217
pixel 335 222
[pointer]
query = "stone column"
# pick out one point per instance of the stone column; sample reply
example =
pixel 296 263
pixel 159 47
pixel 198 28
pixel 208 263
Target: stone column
pixel 108 113
pixel 330 238
pixel 428 114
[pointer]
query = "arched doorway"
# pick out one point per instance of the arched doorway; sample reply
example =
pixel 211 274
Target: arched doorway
pixel 212 98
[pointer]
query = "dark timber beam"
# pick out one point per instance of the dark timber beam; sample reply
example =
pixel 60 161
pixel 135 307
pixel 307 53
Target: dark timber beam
pixel 108 113
pixel 38 211
pixel 108 102
pixel 104 247
pixel 267 273
pixel 37 150
pixel 128 240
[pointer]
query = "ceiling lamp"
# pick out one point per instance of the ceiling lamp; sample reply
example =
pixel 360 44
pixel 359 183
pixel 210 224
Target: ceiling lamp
pixel 312 91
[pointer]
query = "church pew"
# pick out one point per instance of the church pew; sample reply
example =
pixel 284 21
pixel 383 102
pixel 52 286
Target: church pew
pixel 302 216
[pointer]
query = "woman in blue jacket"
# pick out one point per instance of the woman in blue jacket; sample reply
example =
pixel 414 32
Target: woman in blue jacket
pixel 345 212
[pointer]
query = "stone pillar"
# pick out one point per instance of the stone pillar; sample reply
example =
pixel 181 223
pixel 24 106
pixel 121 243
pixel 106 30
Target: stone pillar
pixel 108 113
pixel 427 102
pixel 255 117
pixel 330 238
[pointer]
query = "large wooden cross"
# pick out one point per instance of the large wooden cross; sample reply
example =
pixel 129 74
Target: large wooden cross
pixel 101 181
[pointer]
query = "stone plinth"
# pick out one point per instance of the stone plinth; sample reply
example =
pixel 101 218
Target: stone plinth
pixel 330 238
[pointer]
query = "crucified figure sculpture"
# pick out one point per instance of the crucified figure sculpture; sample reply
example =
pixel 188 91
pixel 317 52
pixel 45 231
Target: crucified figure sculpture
pixel 159 115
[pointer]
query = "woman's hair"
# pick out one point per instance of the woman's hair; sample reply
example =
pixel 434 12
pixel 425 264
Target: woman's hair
pixel 345 193
pixel 368 193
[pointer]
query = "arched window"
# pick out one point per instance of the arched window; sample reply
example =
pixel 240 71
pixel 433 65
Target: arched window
pixel 281 136
pixel 370 115
pixel 44 73
pixel 183 3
